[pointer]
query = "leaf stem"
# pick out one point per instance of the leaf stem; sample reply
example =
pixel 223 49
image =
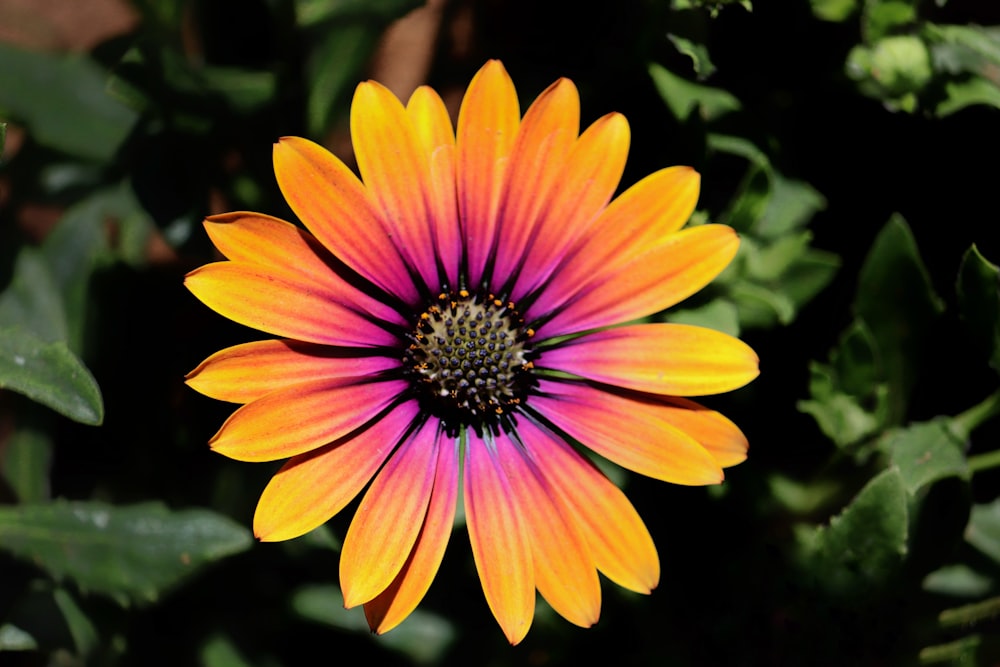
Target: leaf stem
pixel 972 418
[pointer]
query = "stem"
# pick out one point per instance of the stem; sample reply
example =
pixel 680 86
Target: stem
pixel 984 461
pixel 971 419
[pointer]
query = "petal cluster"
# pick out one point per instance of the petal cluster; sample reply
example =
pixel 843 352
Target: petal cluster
pixel 501 207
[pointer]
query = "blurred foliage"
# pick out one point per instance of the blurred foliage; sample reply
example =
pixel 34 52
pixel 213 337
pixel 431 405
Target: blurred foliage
pixel 849 142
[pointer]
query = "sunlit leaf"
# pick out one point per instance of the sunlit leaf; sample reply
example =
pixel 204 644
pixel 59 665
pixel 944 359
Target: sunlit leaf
pixel 50 374
pixel 133 553
pixel 38 89
pixel 834 10
pixel 684 97
pixel 978 291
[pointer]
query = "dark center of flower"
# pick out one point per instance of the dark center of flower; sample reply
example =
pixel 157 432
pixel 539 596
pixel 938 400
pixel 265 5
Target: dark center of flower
pixel 470 358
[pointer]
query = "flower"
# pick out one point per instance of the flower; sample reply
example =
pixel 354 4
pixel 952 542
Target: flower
pixel 472 310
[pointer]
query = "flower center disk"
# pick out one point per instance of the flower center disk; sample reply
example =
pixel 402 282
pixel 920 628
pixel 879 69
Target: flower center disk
pixel 470 358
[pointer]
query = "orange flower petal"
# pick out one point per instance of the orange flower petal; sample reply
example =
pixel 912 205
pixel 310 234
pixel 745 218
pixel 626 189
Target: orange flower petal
pixel 617 538
pixel 675 359
pixel 396 173
pixel 396 602
pixel 285 304
pixel 634 222
pixel 252 238
pixel 629 432
pixel 721 437
pixel 312 487
pixel 586 184
pixel 669 272
pixel 303 417
pixel 436 138
pixel 333 204
pixel 547 132
pixel 487 127
pixel 389 519
pixel 500 543
pixel 564 569
pixel 246 372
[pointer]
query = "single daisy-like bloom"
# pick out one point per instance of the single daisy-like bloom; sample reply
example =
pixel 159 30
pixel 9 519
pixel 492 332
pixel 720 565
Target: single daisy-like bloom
pixel 460 323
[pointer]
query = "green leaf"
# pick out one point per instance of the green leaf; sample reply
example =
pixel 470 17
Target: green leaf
pixel 967 93
pixel 883 17
pixel 423 636
pixel 33 299
pixel 965 47
pixel 834 10
pixel 983 531
pixel 897 303
pixel 792 205
pixel 926 452
pixel 957 580
pixel 311 13
pixel 718 314
pixel 863 547
pixel 978 289
pixel 333 69
pixel 25 460
pixel 13 638
pixel 220 651
pixel 39 88
pixel 132 553
pixel 50 374
pixel 698 53
pixel 80 627
pixel 684 97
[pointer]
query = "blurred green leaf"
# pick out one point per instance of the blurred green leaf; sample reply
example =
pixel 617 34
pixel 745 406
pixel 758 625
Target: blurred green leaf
pixel 684 97
pixel 983 531
pixel 863 547
pixel 698 53
pixel 50 374
pixel 25 460
pixel 39 88
pixel 3 138
pixel 957 580
pixel 897 303
pixel 32 300
pixel 132 553
pixel 802 498
pixel 733 145
pixel 967 93
pixel 13 638
pixel 834 10
pixel 349 47
pixel 894 69
pixel 151 77
pixel 220 651
pixel 881 18
pixel 792 205
pixel 926 452
pixel 759 306
pixel 751 200
pixel 80 627
pixel 314 12
pixel 978 290
pixel 718 314
pixel 423 637
pixel 842 417
pixel 965 47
